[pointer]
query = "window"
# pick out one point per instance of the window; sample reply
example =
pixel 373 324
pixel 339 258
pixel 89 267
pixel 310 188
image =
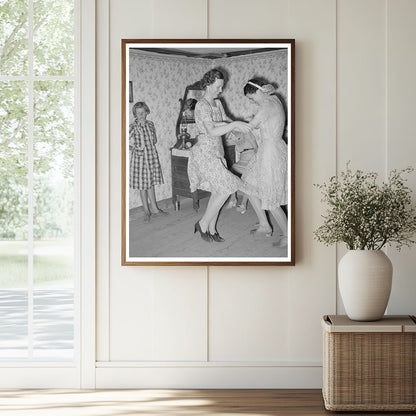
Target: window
pixel 38 184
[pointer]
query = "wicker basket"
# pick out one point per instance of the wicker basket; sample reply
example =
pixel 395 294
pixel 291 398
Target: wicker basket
pixel 369 366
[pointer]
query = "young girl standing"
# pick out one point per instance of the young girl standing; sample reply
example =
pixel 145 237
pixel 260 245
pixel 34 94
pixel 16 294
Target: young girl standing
pixel 145 170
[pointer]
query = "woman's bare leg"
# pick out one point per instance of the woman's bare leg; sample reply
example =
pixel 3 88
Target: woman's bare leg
pixel 153 204
pixel 208 220
pixel 145 202
pixel 213 223
pixel 261 214
pixel 281 219
pixel 154 209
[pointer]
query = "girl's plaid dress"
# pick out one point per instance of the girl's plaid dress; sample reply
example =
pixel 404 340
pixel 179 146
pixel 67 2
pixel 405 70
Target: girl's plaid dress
pixel 145 170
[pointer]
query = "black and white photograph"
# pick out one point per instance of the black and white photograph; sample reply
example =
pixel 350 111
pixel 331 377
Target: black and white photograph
pixel 208 152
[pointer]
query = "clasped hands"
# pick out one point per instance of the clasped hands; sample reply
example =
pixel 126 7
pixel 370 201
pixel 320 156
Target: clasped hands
pixel 242 127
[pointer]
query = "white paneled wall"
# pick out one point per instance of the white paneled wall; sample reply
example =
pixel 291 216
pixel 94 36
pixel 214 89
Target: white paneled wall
pixel 254 326
pixel 401 131
pixel 248 20
pixel 260 333
pixel 361 84
pixel 361 88
pixel 164 315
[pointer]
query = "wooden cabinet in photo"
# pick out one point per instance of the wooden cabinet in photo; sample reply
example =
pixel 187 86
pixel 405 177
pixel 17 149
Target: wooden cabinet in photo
pixel 180 181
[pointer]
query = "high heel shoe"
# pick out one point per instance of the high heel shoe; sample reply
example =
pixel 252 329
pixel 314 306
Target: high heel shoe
pixel 206 236
pixel 262 231
pixel 216 237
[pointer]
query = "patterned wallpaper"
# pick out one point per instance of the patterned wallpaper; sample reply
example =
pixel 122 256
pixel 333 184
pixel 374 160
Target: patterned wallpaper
pixel 270 66
pixel 161 81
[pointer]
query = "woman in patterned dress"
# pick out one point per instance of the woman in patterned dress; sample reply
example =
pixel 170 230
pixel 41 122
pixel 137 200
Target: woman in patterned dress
pixel 207 168
pixel 145 170
pixel 266 174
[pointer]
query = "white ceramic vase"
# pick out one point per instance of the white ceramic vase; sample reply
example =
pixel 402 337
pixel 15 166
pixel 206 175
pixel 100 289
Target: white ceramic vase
pixel 364 278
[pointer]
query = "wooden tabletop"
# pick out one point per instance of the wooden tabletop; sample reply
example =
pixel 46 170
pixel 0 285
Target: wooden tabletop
pixel 389 323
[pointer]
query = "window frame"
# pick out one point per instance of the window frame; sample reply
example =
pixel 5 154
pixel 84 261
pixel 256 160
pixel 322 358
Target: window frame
pixel 80 373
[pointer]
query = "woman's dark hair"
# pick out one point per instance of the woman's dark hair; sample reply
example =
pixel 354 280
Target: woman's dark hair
pixel 210 77
pixel 251 89
pixel 140 104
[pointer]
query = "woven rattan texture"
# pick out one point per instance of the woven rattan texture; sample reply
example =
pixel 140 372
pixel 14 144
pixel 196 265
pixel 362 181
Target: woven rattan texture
pixel 369 371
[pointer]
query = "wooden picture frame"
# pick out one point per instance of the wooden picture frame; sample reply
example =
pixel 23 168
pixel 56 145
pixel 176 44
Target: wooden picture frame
pixel 161 141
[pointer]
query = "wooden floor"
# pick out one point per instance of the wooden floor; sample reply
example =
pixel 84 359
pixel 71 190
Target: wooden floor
pixel 166 402
pixel 173 235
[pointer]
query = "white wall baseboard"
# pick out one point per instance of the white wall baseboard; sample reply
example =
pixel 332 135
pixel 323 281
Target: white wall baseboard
pixel 209 377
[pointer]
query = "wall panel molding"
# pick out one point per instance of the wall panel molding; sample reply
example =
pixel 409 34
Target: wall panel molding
pixel 210 377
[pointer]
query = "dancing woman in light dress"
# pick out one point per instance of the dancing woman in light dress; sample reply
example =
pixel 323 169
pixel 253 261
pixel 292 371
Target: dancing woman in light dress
pixel 207 169
pixel 265 177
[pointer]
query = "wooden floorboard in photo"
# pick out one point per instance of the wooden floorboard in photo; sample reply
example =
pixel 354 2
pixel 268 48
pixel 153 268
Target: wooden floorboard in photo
pixel 51 402
pixel 173 235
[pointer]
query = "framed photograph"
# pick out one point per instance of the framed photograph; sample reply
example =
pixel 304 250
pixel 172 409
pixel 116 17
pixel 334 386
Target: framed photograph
pixel 208 152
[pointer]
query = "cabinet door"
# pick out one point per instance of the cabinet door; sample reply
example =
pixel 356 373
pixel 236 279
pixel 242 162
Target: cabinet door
pixel 180 173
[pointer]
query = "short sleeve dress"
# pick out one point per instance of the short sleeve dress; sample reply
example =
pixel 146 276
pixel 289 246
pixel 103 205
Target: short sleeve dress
pixel 207 168
pixel 145 169
pixel 266 173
